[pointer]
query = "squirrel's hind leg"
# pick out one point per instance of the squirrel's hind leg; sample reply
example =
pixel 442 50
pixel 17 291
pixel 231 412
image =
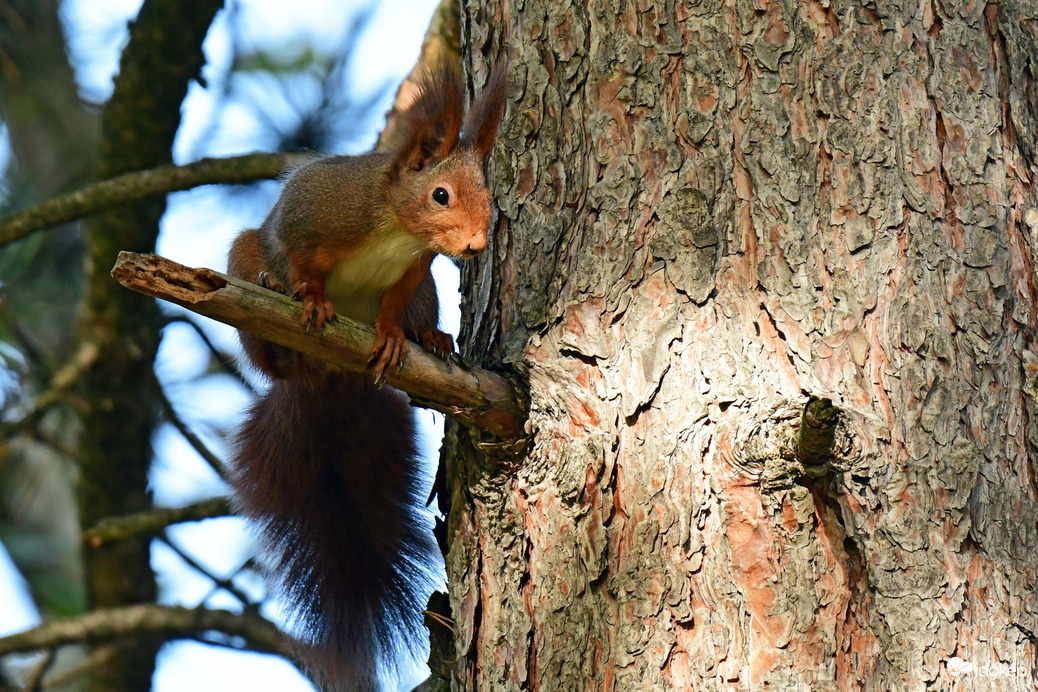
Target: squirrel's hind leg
pixel 245 262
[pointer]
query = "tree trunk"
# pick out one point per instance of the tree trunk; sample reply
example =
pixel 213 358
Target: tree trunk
pixel 708 213
pixel 138 126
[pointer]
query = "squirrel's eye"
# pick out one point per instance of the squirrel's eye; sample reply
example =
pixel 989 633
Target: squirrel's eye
pixel 441 196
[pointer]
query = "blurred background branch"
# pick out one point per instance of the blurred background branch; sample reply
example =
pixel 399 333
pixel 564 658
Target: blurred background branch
pixel 130 187
pixel 170 621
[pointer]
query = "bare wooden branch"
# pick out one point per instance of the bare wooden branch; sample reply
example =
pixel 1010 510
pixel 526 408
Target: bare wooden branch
pixel 153 521
pixel 138 184
pixel 172 622
pixel 476 398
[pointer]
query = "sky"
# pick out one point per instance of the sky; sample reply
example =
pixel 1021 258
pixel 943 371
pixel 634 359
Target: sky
pixel 197 230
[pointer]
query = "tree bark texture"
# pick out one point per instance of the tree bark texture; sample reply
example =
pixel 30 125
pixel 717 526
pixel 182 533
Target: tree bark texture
pixel 708 213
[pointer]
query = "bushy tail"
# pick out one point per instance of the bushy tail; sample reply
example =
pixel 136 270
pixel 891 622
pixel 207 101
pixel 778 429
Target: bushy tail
pixel 328 470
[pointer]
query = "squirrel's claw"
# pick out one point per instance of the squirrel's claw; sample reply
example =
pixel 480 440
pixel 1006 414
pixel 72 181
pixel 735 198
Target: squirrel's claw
pixel 267 280
pixel 316 308
pixel 440 344
pixel 390 351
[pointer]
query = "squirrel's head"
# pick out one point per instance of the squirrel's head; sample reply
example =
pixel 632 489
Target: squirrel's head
pixel 437 189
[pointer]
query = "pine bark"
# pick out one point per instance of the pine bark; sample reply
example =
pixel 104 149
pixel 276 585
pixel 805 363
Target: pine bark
pixel 710 212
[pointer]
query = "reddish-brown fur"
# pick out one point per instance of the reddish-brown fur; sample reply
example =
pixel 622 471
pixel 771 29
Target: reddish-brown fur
pixel 326 464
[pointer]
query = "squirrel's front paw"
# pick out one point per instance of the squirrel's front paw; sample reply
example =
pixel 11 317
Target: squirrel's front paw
pixel 316 308
pixel 440 344
pixel 390 350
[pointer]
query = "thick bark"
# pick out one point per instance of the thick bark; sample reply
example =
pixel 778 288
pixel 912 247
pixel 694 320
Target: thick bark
pixel 709 213
pixel 138 126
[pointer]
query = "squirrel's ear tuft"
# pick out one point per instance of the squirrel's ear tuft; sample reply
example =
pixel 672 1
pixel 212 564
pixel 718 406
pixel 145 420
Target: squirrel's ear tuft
pixel 428 130
pixel 480 128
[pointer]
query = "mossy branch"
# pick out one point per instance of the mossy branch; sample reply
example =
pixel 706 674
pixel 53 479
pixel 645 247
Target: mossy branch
pixel 152 522
pixel 171 622
pixel 139 184
pixel 476 398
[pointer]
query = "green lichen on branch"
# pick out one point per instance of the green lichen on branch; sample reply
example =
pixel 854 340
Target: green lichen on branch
pixel 170 622
pixel 152 522
pixel 137 185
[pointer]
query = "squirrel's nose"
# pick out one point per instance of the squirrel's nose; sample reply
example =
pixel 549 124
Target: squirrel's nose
pixel 477 243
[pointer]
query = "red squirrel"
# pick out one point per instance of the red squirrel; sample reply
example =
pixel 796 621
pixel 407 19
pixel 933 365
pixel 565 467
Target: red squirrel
pixel 325 464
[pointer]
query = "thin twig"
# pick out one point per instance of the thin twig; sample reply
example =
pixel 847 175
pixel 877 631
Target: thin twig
pixel 94 660
pixel 225 584
pixel 63 380
pixel 196 443
pixel 225 360
pixel 441 619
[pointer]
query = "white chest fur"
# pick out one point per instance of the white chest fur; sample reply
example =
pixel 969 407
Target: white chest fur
pixel 355 285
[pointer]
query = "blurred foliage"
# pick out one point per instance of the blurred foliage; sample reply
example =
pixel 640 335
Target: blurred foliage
pixel 298 94
pixel 52 136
